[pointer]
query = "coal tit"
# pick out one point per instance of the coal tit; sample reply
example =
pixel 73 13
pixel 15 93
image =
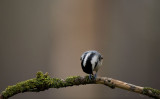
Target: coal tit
pixel 90 62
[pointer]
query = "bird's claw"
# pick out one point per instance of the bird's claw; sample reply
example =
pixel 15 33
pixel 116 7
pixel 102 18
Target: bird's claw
pixel 92 77
pixel 95 76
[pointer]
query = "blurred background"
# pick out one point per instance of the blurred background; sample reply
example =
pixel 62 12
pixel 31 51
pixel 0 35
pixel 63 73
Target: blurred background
pixel 51 35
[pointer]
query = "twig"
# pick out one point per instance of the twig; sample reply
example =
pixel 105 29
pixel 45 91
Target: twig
pixel 44 81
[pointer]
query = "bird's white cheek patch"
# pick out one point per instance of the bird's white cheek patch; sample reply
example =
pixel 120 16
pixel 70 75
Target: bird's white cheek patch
pixel 93 61
pixel 85 59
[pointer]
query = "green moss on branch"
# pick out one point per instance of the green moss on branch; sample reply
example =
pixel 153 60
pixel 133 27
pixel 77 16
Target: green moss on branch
pixel 43 82
pixel 151 92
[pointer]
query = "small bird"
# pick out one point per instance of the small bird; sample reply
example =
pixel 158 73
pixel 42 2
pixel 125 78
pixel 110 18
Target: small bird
pixel 90 62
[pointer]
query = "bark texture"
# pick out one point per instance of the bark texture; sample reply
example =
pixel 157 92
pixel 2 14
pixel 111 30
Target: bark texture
pixel 44 81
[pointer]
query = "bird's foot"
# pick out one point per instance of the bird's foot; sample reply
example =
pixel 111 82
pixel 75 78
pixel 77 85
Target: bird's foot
pixel 95 76
pixel 90 76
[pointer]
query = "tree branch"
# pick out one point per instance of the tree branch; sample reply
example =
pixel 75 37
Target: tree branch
pixel 44 81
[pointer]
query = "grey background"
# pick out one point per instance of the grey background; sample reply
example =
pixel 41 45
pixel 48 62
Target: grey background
pixel 51 35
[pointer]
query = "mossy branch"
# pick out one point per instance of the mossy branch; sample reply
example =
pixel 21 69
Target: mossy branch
pixel 44 81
